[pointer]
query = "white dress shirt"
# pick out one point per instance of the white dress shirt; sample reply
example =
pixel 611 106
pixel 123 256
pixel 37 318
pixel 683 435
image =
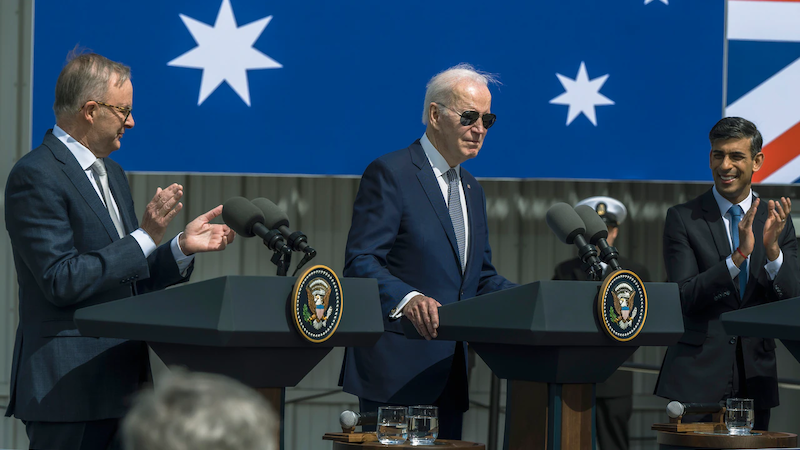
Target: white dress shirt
pixel 86 158
pixel 440 168
pixel 772 267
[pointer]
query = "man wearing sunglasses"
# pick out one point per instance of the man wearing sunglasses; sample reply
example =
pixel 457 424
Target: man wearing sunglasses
pixel 77 242
pixel 419 226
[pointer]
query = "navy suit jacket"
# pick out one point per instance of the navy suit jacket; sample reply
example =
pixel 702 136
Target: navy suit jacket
pixel 68 255
pixel 402 235
pixel 696 245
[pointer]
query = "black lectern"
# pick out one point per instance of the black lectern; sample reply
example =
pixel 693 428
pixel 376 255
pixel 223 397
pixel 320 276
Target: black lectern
pixel 237 326
pixel 776 320
pixel 545 338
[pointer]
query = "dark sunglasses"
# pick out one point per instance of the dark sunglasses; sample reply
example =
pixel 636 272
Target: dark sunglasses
pixel 470 117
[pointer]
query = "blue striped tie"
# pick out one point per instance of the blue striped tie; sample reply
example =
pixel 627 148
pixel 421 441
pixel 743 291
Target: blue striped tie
pixel 456 215
pixel 736 216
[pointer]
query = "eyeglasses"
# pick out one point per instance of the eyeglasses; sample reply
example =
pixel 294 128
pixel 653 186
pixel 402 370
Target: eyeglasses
pixel 470 117
pixel 123 109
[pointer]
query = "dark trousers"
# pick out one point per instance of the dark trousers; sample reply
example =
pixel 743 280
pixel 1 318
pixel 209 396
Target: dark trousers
pixel 613 415
pixel 452 402
pixel 94 435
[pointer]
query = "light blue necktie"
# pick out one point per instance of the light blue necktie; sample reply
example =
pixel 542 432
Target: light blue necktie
pixel 736 217
pixel 456 215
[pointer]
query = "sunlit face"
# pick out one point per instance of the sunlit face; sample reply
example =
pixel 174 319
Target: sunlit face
pixel 732 168
pixel 109 124
pixel 456 142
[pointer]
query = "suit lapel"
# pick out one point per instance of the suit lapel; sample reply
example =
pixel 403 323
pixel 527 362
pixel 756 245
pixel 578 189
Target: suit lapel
pixel 716 225
pixel 758 257
pixel 78 177
pixel 114 181
pixel 434 194
pixel 470 195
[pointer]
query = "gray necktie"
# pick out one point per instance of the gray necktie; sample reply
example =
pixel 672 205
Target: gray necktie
pixel 101 177
pixel 456 215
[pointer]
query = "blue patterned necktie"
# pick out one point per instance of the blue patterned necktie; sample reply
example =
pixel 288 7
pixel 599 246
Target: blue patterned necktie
pixel 736 216
pixel 456 215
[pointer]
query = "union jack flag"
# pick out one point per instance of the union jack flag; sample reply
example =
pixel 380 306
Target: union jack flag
pixel 763 83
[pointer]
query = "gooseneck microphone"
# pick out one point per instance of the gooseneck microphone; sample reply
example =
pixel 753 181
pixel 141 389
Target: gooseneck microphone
pixel 597 232
pixel 351 419
pixel 248 221
pixel 569 228
pixel 275 218
pixel 678 409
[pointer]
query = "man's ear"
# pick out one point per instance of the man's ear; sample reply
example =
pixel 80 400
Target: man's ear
pixel 758 161
pixel 434 116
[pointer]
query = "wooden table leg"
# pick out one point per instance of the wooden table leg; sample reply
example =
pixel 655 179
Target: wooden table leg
pixel 276 398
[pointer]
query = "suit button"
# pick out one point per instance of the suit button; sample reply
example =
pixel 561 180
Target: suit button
pixel 462 293
pixel 733 340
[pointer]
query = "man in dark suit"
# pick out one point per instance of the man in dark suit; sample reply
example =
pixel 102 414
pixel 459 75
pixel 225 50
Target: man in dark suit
pixel 727 249
pixel 615 395
pixel 419 227
pixel 77 242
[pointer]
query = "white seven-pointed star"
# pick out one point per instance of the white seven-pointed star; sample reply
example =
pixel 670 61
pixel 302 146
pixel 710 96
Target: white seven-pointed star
pixel 666 2
pixel 582 95
pixel 225 52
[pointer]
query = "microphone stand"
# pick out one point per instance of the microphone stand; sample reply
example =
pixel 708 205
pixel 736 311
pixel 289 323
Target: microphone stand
pixel 282 259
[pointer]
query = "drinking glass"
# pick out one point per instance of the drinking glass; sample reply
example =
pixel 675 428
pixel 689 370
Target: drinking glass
pixel 392 425
pixel 739 415
pixel 423 424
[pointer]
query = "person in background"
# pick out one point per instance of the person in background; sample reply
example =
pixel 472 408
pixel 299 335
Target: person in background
pixel 615 395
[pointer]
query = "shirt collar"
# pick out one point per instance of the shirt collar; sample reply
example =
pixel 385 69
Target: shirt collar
pixel 84 156
pixel 725 205
pixel 437 161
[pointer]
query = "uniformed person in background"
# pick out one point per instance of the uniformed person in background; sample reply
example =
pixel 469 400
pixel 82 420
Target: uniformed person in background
pixel 615 396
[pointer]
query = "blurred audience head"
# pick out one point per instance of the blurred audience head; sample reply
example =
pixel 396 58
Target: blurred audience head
pixel 200 411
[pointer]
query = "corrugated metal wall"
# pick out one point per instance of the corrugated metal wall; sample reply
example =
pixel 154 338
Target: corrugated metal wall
pixel 524 250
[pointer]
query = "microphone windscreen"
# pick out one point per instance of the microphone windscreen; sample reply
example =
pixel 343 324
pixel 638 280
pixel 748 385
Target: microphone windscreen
pixel 274 217
pixel 348 419
pixel 565 222
pixel 596 227
pixel 675 409
pixel 241 215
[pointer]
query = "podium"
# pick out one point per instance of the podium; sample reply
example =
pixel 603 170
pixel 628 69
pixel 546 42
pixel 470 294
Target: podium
pixel 237 326
pixel 777 320
pixel 546 339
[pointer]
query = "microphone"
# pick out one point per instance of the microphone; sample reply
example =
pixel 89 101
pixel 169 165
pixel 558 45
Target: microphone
pixel 569 228
pixel 248 221
pixel 350 419
pixel 678 409
pixel 275 218
pixel 597 231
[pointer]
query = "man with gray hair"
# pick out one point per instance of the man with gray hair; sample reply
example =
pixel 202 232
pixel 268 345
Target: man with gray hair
pixel 200 411
pixel 77 242
pixel 419 226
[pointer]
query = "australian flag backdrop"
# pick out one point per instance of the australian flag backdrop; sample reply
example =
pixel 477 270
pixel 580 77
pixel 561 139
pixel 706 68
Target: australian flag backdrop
pixel 622 89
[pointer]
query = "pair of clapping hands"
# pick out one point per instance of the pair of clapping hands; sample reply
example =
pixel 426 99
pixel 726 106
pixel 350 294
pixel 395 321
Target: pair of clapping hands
pixel 199 235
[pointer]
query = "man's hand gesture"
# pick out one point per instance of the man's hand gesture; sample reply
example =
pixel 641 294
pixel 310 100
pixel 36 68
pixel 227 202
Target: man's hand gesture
pixel 424 314
pixel 161 210
pixel 202 236
pixel 776 221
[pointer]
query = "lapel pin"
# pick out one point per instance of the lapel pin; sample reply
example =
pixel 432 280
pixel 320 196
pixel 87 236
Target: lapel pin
pixel 468 186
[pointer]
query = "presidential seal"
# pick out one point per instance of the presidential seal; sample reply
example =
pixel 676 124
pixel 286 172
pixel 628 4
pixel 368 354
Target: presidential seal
pixel 317 303
pixel 622 305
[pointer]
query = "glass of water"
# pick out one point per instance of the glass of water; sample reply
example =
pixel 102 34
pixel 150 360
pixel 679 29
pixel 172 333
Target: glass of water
pixel 423 424
pixel 739 415
pixel 392 425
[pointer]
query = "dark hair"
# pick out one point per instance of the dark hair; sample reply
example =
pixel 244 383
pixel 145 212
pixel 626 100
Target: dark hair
pixel 737 128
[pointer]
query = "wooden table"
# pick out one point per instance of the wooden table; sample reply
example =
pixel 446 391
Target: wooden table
pixel 668 440
pixel 439 444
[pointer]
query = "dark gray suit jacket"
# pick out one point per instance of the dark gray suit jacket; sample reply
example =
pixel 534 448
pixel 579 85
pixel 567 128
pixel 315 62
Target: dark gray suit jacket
pixel 699 366
pixel 68 255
